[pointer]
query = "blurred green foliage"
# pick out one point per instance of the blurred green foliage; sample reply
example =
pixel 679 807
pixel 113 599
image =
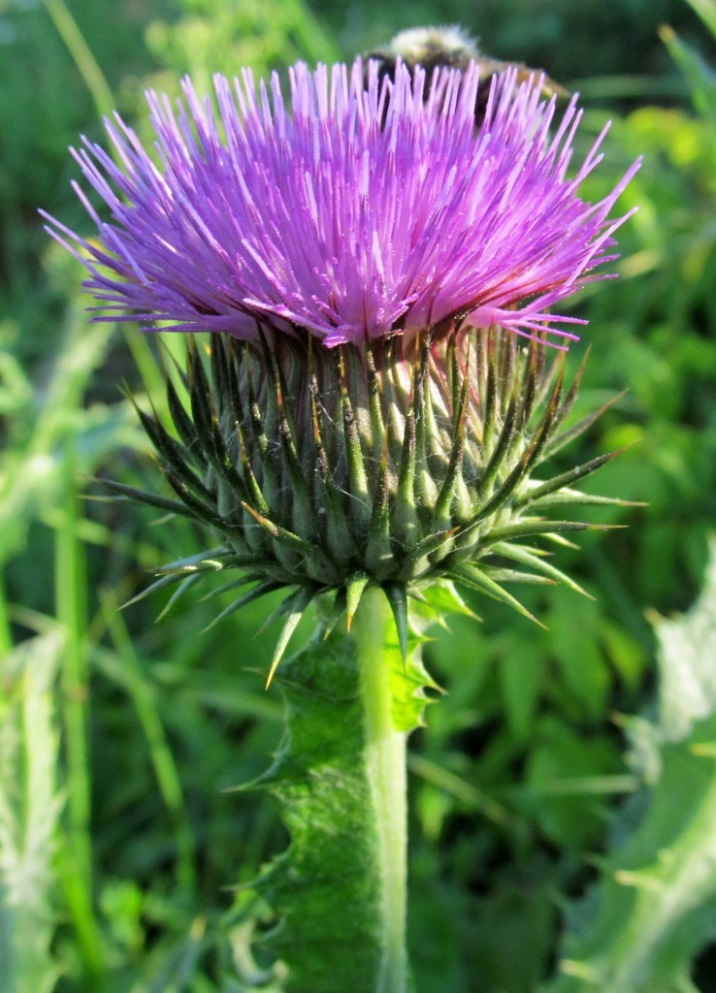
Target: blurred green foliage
pixel 516 778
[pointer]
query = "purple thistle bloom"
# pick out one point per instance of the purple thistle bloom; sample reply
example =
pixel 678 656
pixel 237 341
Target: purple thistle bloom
pixel 364 212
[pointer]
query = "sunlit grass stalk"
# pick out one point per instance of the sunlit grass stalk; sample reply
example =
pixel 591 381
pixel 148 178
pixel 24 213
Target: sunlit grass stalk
pixel 71 609
pixel 5 632
pixel 104 101
pixel 313 39
pixel 82 55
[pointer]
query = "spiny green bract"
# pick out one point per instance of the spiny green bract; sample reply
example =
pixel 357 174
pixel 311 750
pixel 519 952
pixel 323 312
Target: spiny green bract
pixel 400 464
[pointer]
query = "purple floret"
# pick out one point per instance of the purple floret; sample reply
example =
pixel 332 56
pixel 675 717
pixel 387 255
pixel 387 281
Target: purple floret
pixel 362 212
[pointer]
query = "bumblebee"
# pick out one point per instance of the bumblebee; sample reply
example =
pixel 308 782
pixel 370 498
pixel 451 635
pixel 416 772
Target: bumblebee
pixel 453 48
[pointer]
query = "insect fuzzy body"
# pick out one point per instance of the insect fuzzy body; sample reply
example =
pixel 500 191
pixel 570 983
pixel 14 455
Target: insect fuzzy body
pixel 450 47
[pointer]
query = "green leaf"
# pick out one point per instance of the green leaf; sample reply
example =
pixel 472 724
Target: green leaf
pixel 657 901
pixel 436 601
pixel 339 777
pixel 656 904
pixel 562 771
pixel 29 811
pixel 706 9
pixel 325 886
pixel 687 671
pixel 700 77
pixel 409 680
pixel 520 673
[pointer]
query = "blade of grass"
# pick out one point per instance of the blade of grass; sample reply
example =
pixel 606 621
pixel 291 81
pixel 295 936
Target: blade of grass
pixel 313 39
pixel 706 9
pixel 5 632
pixel 84 59
pixel 105 103
pixel 71 610
pixel 131 676
pixel 31 476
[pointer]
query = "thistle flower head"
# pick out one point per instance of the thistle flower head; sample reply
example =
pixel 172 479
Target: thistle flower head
pixel 365 417
pixel 371 208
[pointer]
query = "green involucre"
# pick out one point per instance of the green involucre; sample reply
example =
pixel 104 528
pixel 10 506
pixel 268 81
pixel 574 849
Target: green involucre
pixel 400 464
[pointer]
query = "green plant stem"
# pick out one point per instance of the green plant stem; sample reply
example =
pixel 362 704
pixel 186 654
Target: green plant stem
pixel 71 607
pixel 339 889
pixel 386 767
